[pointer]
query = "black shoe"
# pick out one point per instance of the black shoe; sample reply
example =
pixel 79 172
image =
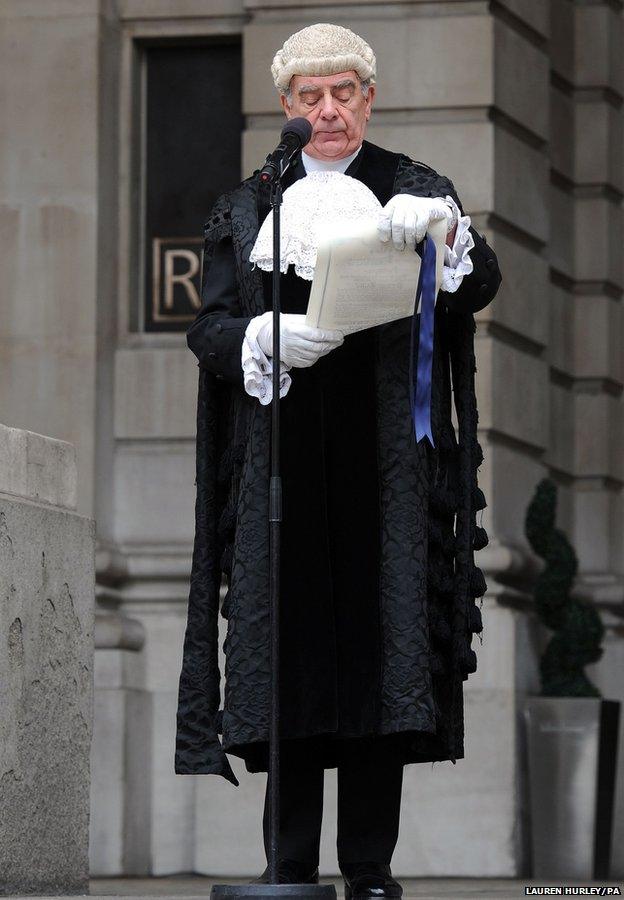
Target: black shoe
pixel 369 879
pixel 290 871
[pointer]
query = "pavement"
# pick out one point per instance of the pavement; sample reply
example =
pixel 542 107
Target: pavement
pixel 198 888
pixel 195 887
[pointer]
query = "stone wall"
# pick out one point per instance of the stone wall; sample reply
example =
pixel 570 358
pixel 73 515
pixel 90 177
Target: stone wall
pixel 47 579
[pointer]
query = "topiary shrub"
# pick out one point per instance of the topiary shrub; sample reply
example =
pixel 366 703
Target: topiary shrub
pixel 577 625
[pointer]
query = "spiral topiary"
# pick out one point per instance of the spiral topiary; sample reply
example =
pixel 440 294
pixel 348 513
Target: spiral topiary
pixel 577 625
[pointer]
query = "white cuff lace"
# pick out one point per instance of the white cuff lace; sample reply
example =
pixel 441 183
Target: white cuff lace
pixel 258 367
pixel 457 262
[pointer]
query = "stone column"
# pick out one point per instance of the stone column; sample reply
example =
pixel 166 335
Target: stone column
pixel 587 371
pixel 55 191
pixel 47 576
pixel 121 750
pixel 146 509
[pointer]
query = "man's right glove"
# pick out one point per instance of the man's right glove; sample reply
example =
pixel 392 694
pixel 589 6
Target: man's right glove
pixel 300 344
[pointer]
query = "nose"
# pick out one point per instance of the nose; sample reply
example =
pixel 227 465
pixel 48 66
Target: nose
pixel 328 108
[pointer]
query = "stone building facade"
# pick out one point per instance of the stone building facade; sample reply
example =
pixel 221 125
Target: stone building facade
pixel 520 103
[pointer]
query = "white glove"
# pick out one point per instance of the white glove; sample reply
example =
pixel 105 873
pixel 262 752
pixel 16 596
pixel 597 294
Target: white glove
pixel 300 344
pixel 406 219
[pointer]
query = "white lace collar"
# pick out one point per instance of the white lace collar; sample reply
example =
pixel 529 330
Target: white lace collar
pixel 309 205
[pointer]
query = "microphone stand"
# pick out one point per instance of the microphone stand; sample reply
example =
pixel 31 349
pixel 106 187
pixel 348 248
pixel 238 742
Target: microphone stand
pixel 273 888
pixel 275 523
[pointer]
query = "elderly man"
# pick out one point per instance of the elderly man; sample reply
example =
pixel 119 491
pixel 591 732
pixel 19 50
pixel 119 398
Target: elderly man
pixel 378 582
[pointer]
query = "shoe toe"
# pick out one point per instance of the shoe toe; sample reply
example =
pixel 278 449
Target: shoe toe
pixel 370 880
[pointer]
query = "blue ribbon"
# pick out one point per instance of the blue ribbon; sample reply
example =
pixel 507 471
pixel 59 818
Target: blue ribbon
pixel 421 360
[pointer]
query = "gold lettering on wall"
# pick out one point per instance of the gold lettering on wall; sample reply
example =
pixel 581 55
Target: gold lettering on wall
pixel 176 275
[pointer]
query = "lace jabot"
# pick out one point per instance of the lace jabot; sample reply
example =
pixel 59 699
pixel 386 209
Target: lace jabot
pixel 308 206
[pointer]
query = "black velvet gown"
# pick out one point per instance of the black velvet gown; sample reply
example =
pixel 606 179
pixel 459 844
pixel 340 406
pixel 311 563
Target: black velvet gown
pixel 378 577
pixel 330 530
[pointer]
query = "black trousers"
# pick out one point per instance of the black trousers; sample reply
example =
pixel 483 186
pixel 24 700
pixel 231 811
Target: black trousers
pixel 370 780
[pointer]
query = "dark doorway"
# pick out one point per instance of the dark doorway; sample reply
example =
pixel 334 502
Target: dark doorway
pixel 193 124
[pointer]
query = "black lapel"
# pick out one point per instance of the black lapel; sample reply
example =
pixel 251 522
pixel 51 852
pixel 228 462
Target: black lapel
pixel 294 173
pixel 376 168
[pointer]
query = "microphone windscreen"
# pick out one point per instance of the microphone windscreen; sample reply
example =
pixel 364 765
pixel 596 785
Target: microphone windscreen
pixel 300 127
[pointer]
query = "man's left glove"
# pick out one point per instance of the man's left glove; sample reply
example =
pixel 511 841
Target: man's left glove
pixel 406 219
pixel 300 344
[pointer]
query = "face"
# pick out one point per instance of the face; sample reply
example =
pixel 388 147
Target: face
pixel 336 108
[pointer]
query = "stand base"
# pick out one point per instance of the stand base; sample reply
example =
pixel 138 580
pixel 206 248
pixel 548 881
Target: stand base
pixel 295 891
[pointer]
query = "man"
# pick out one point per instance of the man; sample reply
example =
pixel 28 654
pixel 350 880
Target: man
pixel 378 584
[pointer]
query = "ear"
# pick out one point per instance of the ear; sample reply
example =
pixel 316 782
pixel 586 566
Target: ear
pixel 369 101
pixel 285 106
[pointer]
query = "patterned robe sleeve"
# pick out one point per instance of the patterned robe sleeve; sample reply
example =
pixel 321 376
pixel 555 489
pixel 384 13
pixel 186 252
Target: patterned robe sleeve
pixel 198 748
pixel 217 333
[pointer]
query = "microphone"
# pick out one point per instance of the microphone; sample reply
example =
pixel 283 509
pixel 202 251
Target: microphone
pixel 295 134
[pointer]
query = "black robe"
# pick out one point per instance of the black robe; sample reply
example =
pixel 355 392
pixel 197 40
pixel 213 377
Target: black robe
pixel 378 580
